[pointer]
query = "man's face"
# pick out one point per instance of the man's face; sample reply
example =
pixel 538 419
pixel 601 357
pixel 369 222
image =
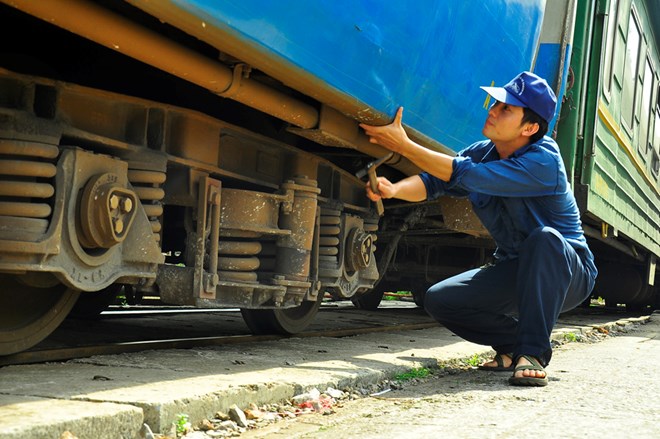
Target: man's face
pixel 503 123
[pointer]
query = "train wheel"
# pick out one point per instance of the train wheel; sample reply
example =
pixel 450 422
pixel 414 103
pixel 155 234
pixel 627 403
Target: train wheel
pixel 418 289
pixel 281 321
pixel 369 300
pixel 31 311
pixel 418 297
pixel 91 305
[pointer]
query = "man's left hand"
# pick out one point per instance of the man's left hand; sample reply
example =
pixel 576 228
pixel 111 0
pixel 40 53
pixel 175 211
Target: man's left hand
pixel 392 136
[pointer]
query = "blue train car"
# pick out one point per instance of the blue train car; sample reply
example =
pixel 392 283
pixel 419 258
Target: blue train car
pixel 367 58
pixel 205 152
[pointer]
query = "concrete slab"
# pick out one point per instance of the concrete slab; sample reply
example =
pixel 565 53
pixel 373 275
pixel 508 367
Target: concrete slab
pixel 110 396
pixel 200 382
pixel 26 417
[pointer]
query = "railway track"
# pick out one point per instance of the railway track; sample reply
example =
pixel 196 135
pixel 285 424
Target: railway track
pixel 139 329
pixel 173 361
pixel 118 332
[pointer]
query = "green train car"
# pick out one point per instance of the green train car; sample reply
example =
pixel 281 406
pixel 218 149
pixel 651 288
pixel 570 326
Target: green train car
pixel 609 132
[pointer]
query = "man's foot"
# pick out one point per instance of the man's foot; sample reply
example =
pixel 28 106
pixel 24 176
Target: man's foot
pixel 528 372
pixel 501 362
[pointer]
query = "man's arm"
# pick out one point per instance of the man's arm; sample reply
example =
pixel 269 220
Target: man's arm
pixel 394 138
pixel 409 189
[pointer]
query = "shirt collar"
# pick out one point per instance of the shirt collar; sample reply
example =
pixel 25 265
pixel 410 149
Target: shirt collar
pixel 520 151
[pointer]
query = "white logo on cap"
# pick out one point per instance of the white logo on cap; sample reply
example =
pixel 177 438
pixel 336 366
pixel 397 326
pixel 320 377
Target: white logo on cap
pixel 519 86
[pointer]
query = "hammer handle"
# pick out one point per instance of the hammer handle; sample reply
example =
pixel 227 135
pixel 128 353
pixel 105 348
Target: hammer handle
pixel 373 181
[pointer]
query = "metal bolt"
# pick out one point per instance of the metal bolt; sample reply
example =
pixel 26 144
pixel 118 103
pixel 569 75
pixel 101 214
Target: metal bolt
pixel 119 226
pixel 126 205
pixel 114 202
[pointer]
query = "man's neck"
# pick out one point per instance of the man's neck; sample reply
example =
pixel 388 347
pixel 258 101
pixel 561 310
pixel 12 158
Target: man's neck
pixel 505 149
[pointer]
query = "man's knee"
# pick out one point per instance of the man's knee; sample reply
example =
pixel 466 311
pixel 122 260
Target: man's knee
pixel 437 300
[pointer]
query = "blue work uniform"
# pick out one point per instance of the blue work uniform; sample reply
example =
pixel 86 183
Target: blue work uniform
pixel 543 265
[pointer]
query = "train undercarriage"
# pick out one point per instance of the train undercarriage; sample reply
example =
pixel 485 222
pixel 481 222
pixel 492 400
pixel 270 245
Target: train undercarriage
pixel 101 189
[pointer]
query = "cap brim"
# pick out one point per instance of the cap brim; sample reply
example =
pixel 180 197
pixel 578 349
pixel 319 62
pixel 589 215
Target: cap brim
pixel 500 94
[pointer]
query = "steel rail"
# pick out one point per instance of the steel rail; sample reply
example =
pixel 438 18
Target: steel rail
pixel 70 353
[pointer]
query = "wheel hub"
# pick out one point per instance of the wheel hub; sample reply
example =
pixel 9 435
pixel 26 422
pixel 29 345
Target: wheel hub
pixel 106 212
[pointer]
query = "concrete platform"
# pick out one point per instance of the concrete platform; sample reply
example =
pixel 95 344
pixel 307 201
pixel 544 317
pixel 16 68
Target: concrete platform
pixel 113 396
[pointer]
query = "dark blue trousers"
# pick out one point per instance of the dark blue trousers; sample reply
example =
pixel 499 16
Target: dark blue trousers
pixel 514 304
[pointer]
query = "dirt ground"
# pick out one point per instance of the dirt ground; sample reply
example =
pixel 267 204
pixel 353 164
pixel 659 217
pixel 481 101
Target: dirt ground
pixel 603 388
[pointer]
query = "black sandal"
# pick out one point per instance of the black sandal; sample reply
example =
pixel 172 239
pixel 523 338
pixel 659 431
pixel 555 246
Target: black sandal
pixel 500 364
pixel 528 381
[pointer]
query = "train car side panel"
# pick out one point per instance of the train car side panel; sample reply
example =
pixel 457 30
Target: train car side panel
pixel 368 58
pixel 616 95
pixel 624 182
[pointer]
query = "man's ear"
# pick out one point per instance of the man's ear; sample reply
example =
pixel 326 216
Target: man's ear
pixel 530 129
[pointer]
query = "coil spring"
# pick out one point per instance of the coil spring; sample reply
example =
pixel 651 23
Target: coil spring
pixel 239 260
pixel 329 240
pixel 147 188
pixel 27 170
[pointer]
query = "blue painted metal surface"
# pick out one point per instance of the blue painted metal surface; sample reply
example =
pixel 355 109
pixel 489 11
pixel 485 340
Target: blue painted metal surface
pixel 430 56
pixel 548 65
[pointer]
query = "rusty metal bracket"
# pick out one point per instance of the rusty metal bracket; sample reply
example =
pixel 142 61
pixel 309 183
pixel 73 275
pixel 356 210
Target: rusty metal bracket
pixel 205 278
pixel 239 72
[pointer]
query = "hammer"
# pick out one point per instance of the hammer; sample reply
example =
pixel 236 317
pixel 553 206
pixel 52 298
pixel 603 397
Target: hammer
pixel 370 170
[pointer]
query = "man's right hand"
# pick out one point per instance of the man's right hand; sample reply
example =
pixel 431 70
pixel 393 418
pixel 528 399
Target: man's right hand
pixel 386 189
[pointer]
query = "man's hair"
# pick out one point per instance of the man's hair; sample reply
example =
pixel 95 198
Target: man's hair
pixel 532 117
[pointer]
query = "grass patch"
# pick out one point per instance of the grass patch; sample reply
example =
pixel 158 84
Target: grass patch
pixel 396 295
pixel 474 361
pixel 182 423
pixel 418 372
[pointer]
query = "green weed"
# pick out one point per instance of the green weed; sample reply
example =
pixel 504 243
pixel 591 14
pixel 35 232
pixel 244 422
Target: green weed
pixel 396 295
pixel 418 372
pixel 182 423
pixel 474 360
pixel 121 300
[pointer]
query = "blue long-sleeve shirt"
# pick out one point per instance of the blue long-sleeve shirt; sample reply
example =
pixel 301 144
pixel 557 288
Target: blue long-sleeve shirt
pixel 515 195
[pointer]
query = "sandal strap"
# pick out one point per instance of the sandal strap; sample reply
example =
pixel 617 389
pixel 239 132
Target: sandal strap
pixel 499 360
pixel 535 364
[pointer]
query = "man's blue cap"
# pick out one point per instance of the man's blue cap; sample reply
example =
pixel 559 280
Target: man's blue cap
pixel 527 90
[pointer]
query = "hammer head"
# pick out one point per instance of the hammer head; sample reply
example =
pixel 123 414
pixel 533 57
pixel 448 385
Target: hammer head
pixel 373 165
